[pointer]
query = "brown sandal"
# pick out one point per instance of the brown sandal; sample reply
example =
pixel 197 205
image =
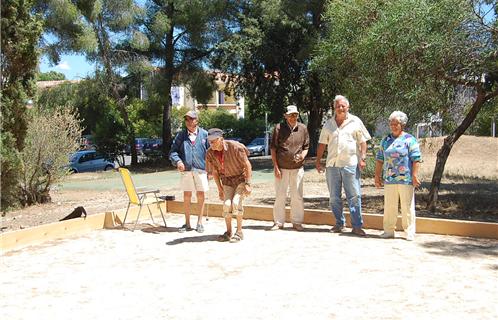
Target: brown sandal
pixel 224 237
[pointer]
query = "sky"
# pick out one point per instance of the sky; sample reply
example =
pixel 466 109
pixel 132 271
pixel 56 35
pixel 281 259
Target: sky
pixel 73 66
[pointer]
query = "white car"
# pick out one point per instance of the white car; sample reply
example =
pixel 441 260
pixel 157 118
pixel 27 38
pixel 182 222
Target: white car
pixel 257 147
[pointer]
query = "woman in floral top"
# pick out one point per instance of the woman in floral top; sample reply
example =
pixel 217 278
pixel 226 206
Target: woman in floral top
pixel 398 162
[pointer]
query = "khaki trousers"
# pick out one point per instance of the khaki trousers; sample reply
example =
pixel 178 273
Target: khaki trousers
pixel 291 179
pixel 233 200
pixel 403 194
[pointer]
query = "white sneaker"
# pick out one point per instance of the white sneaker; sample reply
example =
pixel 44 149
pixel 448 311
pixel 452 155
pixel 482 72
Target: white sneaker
pixel 387 235
pixel 410 237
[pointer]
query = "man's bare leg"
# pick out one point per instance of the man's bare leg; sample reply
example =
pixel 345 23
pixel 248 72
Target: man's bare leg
pixel 187 198
pixel 200 202
pixel 239 224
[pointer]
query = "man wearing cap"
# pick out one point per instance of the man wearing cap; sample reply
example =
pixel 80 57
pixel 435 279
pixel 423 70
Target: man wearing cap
pixel 229 164
pixel 188 153
pixel 346 138
pixel 289 146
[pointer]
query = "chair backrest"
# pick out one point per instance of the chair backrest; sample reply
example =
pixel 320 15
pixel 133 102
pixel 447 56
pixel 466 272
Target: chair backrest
pixel 129 186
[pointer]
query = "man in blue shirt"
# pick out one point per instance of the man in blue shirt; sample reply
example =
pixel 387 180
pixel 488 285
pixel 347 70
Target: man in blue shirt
pixel 188 154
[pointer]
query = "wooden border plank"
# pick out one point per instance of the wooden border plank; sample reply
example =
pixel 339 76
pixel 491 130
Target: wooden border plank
pixel 20 238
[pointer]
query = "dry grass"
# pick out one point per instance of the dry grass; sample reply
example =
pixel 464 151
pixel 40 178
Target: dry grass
pixel 470 158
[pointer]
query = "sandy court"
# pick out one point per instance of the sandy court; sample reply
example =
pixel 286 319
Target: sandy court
pixel 157 273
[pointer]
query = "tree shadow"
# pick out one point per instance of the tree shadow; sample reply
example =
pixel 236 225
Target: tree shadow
pixel 266 227
pixel 204 238
pixel 147 228
pixel 158 229
pixel 469 248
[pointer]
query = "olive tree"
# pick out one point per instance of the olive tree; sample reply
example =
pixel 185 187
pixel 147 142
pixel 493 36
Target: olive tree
pixel 415 56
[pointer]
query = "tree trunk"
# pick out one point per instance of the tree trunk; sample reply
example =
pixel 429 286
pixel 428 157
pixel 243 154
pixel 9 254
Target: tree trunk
pixel 316 113
pixel 444 152
pixel 104 50
pixel 317 104
pixel 169 71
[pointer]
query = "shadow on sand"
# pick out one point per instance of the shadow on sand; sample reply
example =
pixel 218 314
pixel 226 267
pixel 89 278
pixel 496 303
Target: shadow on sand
pixel 469 248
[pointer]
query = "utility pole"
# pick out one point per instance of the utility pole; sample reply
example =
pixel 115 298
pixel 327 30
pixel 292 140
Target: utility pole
pixel 266 134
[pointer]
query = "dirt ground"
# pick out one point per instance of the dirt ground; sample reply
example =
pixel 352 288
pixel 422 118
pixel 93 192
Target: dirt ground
pixel 158 273
pixel 469 190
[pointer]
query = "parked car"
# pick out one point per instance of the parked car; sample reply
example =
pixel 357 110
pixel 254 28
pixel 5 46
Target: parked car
pixel 139 145
pixel 238 139
pixel 89 160
pixel 87 142
pixel 257 147
pixel 152 146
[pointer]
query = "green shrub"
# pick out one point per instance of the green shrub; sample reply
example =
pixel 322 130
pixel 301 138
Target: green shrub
pixel 11 171
pixel 51 138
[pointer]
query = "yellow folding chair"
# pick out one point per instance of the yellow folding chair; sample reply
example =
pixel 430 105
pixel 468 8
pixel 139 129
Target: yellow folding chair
pixel 139 197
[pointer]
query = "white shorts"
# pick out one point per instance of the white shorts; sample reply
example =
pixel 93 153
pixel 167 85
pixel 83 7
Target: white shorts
pixel 194 181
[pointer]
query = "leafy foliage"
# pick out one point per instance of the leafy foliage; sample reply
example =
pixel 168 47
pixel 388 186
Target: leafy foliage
pixel 101 31
pixel 271 52
pixel 181 36
pixel 243 128
pixel 51 138
pixel 406 55
pixel 50 76
pixel 20 33
pixel 415 56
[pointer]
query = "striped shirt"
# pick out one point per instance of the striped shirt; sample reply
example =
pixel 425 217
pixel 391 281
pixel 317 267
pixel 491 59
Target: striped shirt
pixel 230 165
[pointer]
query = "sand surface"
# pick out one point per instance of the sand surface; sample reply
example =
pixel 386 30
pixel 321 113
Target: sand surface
pixel 158 273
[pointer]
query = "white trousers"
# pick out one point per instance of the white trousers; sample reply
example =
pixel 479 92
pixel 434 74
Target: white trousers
pixel 405 195
pixel 291 179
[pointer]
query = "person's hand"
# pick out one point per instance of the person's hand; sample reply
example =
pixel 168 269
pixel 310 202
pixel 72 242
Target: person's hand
pixel 318 166
pixel 277 172
pixel 247 189
pixel 221 194
pixel 378 182
pixel 180 166
pixel 363 164
pixel 415 181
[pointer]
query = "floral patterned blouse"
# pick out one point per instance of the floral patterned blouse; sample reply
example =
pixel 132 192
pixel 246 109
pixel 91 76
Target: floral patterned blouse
pixel 398 155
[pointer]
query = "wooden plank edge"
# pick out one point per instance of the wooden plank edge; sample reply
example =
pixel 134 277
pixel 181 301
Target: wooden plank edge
pixel 35 235
pixel 462 228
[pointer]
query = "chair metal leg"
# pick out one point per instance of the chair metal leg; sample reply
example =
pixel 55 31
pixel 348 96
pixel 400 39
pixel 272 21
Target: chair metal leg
pixel 138 217
pixel 126 214
pixel 150 213
pixel 160 209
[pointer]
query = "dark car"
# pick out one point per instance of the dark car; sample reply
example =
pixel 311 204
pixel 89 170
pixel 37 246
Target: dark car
pixel 89 160
pixel 152 146
pixel 139 145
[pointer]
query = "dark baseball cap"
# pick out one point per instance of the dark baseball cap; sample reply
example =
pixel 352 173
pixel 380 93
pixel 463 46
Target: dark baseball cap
pixel 215 133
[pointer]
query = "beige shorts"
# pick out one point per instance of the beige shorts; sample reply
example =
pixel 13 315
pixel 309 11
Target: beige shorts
pixel 194 181
pixel 233 200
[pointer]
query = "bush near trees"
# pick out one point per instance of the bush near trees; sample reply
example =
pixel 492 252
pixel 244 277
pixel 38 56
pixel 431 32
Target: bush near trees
pixel 51 76
pixel 51 138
